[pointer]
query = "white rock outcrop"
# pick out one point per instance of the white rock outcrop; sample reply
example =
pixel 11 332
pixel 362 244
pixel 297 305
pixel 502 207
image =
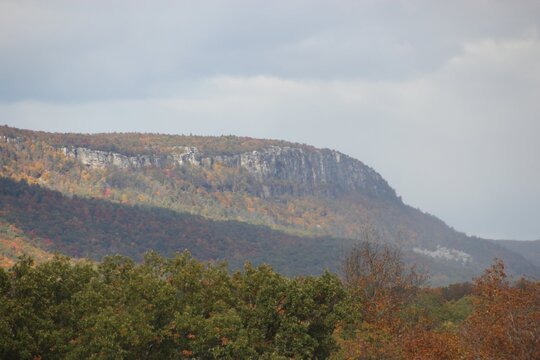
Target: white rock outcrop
pixel 278 169
pixel 446 254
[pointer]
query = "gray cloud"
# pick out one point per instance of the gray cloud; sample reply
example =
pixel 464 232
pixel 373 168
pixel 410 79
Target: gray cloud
pixel 79 51
pixel 440 97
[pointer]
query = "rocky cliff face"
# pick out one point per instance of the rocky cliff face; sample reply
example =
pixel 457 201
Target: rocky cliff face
pixel 277 170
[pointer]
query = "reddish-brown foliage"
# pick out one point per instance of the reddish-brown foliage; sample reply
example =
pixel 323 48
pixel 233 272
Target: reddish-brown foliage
pixel 505 323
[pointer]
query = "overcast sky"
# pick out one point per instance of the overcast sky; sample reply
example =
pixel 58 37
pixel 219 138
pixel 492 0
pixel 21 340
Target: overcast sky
pixel 440 97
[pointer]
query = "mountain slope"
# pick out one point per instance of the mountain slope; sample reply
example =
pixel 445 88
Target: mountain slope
pixel 530 250
pixel 15 243
pixel 93 228
pixel 288 187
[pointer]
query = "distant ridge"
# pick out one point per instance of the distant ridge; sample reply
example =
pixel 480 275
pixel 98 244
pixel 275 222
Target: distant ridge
pixel 530 250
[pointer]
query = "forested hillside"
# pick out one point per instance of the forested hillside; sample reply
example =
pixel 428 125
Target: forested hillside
pixel 315 196
pixel 92 228
pixel 14 243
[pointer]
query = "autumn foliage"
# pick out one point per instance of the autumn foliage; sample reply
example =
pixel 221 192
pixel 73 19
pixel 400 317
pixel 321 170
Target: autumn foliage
pixel 505 323
pixel 177 308
pixel 391 317
pixel 181 308
pixel 93 228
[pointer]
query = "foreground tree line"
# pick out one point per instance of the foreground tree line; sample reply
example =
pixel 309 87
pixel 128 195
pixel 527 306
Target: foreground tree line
pixel 181 308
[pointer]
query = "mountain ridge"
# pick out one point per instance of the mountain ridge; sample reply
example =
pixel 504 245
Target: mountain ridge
pixel 293 188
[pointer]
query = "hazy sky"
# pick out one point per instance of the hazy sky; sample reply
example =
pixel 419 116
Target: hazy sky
pixel 441 97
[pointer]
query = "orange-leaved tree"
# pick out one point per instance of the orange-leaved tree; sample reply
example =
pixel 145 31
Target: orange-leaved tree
pixel 380 287
pixel 505 323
